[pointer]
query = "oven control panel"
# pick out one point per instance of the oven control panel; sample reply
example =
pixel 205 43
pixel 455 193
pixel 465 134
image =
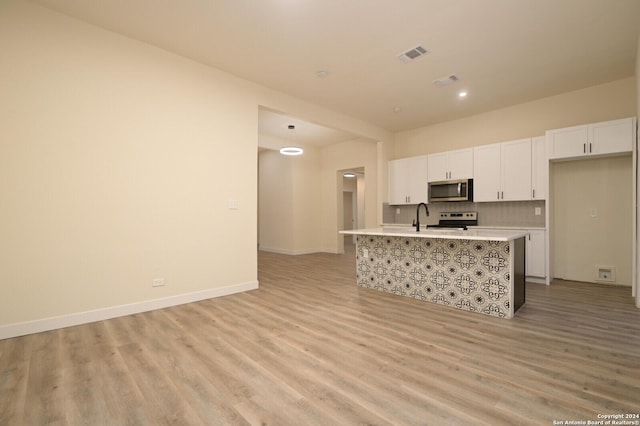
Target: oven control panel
pixel 459 216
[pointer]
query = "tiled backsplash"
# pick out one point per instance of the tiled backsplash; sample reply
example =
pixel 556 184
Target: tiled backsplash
pixel 504 213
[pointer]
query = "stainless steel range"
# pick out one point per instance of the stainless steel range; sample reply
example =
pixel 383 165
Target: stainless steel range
pixel 458 220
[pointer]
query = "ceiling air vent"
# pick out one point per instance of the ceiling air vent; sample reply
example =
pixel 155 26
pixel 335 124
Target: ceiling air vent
pixel 445 81
pixel 412 54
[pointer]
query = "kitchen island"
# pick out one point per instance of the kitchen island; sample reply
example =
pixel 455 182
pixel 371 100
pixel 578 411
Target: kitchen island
pixel 476 270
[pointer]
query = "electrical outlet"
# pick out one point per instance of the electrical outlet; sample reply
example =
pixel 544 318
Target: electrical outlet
pixel 594 212
pixel 157 282
pixel 538 211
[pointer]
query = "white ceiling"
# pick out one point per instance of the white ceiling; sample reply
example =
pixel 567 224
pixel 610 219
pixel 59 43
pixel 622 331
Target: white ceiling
pixel 277 124
pixel 505 52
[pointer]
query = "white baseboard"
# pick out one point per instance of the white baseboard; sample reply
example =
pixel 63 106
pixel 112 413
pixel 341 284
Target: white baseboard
pixel 46 324
pixel 330 251
pixel 292 252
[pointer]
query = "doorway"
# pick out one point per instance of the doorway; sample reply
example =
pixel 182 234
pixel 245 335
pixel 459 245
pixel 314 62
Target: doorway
pixel 349 214
pixel 351 207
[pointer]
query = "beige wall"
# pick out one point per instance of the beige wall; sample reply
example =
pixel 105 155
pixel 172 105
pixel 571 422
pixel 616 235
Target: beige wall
pixel 343 156
pixel 599 103
pixel 117 164
pixel 581 241
pixel 637 264
pixel 300 198
pixel 289 205
pixel 275 202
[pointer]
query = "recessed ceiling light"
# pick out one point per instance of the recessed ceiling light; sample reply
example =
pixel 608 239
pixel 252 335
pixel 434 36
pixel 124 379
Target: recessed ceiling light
pixel 396 109
pixel 462 94
pixel 322 73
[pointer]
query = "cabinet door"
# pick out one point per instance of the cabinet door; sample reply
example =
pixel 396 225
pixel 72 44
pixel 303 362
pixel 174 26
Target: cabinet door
pixel 417 180
pixel 539 168
pixel 398 178
pixel 487 172
pixel 569 142
pixel 461 164
pixel 535 252
pixel 612 137
pixel 516 170
pixel 438 166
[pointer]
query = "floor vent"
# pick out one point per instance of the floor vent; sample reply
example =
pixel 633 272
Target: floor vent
pixel 412 54
pixel 606 273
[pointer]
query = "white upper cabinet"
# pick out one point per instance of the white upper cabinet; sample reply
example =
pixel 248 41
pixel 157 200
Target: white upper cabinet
pixel 612 137
pixel 606 138
pixel 438 166
pixel 451 165
pixel 502 171
pixel 487 173
pixel 516 170
pixel 539 168
pixel 408 181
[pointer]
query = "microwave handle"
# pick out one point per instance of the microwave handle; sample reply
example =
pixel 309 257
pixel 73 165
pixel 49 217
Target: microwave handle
pixel 459 189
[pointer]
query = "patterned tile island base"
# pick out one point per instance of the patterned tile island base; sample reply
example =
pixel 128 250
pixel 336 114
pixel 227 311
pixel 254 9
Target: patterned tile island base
pixel 480 276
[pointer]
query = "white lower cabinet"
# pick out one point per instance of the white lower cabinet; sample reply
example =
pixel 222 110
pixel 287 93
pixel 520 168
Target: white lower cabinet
pixel 536 254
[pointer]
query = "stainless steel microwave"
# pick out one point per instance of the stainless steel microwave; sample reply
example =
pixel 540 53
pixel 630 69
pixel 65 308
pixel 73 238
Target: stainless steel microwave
pixel 451 190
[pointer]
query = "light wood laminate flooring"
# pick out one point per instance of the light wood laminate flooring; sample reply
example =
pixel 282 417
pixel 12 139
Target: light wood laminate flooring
pixel 309 347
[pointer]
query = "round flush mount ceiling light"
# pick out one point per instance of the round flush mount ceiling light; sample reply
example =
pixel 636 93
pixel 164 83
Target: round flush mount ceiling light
pixel 349 175
pixel 291 150
pixel 462 94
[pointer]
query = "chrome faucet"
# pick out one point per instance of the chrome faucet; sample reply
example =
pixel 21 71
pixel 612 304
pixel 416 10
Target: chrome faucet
pixel 426 209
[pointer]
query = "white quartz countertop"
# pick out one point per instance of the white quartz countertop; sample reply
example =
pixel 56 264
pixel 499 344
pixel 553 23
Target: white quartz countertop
pixel 539 228
pixel 452 234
